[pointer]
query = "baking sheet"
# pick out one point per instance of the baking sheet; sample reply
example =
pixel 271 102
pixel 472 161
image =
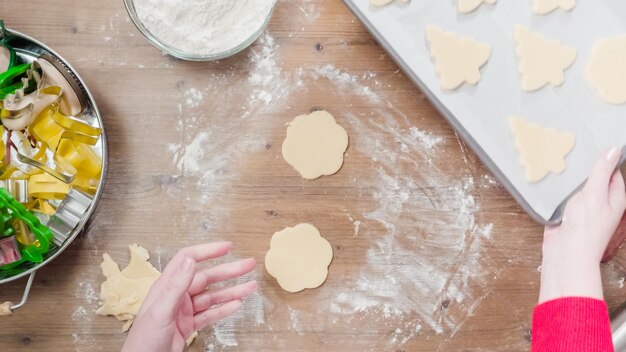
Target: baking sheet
pixel 480 113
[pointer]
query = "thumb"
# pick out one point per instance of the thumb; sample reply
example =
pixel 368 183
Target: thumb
pixel 600 178
pixel 176 288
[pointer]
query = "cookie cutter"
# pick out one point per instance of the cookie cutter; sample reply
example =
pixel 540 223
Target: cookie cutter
pixel 68 214
pixel 29 50
pixel 17 188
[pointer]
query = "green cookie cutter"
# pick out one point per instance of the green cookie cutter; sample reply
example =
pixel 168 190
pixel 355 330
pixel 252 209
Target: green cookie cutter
pixel 11 210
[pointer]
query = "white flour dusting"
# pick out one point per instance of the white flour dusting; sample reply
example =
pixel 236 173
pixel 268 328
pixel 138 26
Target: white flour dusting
pixel 193 97
pixel 344 80
pixel 428 141
pixel 444 270
pixel 209 152
pixel 422 273
pixel 201 27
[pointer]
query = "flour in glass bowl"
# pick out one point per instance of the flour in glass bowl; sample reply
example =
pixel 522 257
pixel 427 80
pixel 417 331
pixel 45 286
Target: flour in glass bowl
pixel 203 27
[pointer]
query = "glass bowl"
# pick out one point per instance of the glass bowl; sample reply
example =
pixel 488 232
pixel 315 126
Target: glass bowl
pixel 132 13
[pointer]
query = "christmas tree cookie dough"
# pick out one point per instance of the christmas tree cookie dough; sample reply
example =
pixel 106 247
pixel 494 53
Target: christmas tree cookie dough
pixel 299 258
pixel 543 7
pixel 607 69
pixel 541 61
pixel 542 150
pixel 467 6
pixel 457 59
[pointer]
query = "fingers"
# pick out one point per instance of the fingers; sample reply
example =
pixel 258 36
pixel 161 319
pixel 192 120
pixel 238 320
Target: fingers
pixel 209 299
pixel 207 276
pixel 176 288
pixel 198 253
pixel 598 182
pixel 208 317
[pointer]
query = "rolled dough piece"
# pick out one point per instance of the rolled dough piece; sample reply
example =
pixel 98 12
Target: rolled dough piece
pixel 607 69
pixel 542 150
pixel 299 258
pixel 543 7
pixel 467 6
pixel 123 292
pixel 541 61
pixel 5 57
pixel 457 60
pixel 384 2
pixel 315 145
pixel 5 309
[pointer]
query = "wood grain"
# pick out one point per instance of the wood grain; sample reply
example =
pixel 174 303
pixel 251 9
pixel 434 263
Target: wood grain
pixel 245 192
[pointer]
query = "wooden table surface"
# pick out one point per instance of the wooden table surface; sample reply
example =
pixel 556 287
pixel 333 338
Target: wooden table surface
pixel 431 253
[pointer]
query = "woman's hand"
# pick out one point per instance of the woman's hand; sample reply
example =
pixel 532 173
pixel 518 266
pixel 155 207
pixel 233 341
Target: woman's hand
pixel 179 302
pixel 572 250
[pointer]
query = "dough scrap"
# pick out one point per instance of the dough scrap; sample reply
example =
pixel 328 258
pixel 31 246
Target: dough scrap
pixel 5 309
pixel 299 258
pixel 542 150
pixel 541 61
pixel 544 7
pixel 384 2
pixel 315 145
pixel 607 72
pixel 123 292
pixel 457 60
pixel 467 6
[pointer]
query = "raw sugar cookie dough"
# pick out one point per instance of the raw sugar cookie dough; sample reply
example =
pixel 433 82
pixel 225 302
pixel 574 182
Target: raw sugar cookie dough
pixel 467 6
pixel 542 150
pixel 123 292
pixel 298 258
pixel 607 69
pixel 541 61
pixel 315 145
pixel 5 309
pixel 447 49
pixel 544 7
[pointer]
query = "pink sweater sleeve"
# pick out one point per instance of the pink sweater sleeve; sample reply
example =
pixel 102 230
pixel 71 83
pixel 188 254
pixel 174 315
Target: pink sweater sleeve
pixel 572 324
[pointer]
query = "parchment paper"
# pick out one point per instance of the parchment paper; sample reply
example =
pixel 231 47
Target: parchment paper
pixel 481 113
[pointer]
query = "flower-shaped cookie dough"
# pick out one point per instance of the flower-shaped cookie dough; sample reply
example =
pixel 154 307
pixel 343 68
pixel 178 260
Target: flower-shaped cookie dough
pixel 542 7
pixel 607 72
pixel 299 258
pixel 315 145
pixel 467 6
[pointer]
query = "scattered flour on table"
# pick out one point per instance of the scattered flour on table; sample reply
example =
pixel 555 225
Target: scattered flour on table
pixel 211 146
pixel 193 97
pixel 345 80
pixel 433 266
pixel 426 140
pixel 427 273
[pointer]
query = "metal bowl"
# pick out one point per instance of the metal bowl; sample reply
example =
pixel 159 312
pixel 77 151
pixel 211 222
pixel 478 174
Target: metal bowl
pixel 132 13
pixel 29 49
